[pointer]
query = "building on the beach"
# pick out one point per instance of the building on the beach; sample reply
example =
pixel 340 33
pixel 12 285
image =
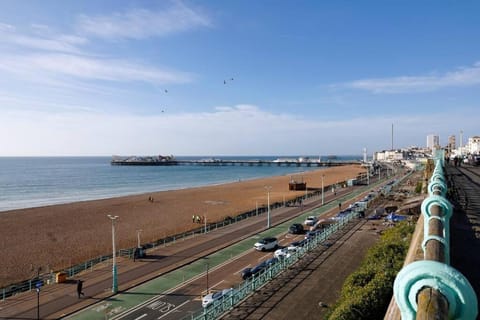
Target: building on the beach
pixel 411 153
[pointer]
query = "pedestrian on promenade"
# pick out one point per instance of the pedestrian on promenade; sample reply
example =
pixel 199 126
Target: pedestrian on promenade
pixel 339 206
pixel 193 218
pixel 79 288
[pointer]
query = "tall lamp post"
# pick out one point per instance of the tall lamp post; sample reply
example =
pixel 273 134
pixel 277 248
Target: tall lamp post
pixel 323 177
pixel 368 175
pixel 138 237
pixel 114 258
pixel 268 188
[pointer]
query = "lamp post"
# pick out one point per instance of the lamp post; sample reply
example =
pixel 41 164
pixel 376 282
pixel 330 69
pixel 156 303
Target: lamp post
pixel 205 222
pixel 38 285
pixel 114 258
pixel 138 237
pixel 206 266
pixel 268 188
pixel 323 177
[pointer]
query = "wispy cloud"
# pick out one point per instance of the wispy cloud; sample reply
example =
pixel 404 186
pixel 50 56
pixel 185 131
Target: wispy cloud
pixel 43 39
pixel 89 68
pixel 462 77
pixel 143 23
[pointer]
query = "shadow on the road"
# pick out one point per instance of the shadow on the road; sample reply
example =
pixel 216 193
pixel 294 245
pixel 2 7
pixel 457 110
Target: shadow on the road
pixel 151 257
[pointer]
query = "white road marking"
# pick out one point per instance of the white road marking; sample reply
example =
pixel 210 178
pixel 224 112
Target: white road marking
pixel 180 305
pixel 142 316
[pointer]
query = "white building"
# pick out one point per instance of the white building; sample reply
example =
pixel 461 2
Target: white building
pixel 433 142
pixel 473 146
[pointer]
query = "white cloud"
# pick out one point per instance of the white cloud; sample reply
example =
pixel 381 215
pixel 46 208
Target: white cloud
pixel 235 130
pixel 44 39
pixel 91 68
pixel 142 23
pixel 467 76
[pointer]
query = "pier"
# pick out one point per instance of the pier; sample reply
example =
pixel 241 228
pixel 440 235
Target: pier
pixel 220 162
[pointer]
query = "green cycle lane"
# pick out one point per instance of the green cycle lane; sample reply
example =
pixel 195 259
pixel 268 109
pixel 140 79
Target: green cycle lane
pixel 168 282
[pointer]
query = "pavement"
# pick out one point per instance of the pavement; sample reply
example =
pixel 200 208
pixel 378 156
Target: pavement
pixel 56 301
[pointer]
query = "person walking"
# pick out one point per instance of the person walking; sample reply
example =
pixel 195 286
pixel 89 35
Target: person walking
pixel 79 288
pixel 339 206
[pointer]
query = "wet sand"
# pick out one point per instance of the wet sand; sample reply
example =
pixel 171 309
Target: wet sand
pixel 58 236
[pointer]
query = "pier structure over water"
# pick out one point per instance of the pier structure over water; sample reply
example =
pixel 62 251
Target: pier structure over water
pixel 134 161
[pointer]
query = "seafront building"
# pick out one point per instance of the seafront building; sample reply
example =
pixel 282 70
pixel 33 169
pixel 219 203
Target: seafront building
pixel 471 148
pixel 433 142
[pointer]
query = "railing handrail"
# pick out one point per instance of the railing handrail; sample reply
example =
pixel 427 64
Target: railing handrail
pixel 431 288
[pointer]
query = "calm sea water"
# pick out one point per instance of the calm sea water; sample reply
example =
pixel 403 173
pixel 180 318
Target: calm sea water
pixel 38 181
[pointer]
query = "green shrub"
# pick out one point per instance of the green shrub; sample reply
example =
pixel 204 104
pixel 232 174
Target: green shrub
pixel 366 293
pixel 418 187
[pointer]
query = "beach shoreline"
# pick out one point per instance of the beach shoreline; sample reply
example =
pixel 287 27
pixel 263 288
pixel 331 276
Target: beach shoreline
pixel 58 236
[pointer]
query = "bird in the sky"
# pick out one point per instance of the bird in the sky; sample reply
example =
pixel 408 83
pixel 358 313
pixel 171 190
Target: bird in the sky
pixel 166 91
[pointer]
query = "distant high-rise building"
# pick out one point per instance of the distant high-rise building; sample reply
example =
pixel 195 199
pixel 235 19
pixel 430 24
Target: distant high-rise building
pixel 433 141
pixel 452 145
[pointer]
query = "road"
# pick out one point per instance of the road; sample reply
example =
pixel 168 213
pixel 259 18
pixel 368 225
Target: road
pixel 163 302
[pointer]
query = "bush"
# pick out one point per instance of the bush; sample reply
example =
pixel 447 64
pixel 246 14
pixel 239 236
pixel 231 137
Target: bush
pixel 366 293
pixel 418 187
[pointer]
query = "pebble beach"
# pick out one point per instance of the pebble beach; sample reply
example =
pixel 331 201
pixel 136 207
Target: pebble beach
pixel 59 236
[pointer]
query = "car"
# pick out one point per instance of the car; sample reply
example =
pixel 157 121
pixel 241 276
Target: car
pixel 249 272
pixel 268 243
pixel 214 296
pixel 282 253
pixel 312 234
pixel 285 252
pixel 296 245
pixel 271 261
pixel 310 220
pixel 296 228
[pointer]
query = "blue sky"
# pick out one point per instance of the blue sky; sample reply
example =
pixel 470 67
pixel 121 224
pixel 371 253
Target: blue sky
pixel 235 77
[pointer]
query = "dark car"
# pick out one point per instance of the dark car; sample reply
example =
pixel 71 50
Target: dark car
pixel 297 244
pixel 296 228
pixel 249 272
pixel 312 234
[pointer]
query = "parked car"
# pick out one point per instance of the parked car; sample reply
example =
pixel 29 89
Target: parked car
pixel 271 261
pixel 297 244
pixel 249 272
pixel 312 234
pixel 296 228
pixel 269 243
pixel 310 220
pixel 285 252
pixel 211 297
pixel 282 253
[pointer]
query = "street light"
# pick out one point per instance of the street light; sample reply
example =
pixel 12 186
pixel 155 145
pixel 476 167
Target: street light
pixel 114 258
pixel 138 237
pixel 205 222
pixel 268 188
pixel 206 267
pixel 323 177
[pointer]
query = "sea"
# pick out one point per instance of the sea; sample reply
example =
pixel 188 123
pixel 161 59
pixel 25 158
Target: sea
pixel 27 182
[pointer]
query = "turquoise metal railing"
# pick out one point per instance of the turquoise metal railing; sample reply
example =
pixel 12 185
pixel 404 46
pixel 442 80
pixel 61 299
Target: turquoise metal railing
pixel 433 281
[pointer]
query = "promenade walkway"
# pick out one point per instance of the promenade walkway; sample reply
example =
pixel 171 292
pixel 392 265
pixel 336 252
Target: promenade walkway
pixel 59 300
pixel 465 223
